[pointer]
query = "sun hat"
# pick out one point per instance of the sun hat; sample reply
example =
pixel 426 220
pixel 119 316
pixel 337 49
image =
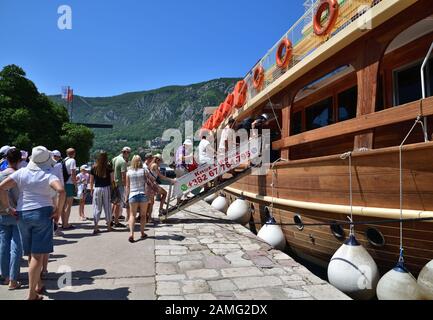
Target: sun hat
pixel 4 150
pixel 41 159
pixel 188 142
pixel 84 167
pixel 57 153
pixel 158 156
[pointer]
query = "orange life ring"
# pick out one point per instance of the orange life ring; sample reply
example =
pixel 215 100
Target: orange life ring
pixel 240 94
pixel 259 77
pixel 284 60
pixel 226 109
pixel 230 99
pixel 333 7
pixel 210 123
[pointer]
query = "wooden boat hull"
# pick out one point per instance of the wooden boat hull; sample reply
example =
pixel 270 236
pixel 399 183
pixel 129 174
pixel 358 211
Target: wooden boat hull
pixel 375 185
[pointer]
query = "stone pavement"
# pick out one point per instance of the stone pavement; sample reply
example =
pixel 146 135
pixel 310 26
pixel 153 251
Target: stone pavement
pixel 202 256
pixel 195 255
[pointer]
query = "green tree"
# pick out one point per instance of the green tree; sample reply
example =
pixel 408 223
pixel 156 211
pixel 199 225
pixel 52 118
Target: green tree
pixel 80 138
pixel 29 118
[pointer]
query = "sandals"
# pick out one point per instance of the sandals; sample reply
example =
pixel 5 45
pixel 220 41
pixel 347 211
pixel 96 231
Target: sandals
pixel 41 290
pixel 144 236
pixel 38 298
pixel 131 240
pixel 17 286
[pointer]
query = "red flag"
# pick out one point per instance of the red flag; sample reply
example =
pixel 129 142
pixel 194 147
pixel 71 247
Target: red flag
pixel 70 95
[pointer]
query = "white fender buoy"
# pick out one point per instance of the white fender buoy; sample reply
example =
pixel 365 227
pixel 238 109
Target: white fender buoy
pixel 211 198
pixel 353 271
pixel 272 234
pixel 221 203
pixel 425 281
pixel 398 284
pixel 239 211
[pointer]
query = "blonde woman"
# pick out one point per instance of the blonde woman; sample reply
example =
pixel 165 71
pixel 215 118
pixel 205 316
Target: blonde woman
pixel 136 180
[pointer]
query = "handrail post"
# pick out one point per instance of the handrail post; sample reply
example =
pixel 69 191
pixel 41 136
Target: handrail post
pixel 423 89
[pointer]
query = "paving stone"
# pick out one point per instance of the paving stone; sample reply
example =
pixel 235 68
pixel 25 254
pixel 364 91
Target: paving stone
pixel 222 285
pixel 170 277
pixel 262 262
pixel 257 282
pixel 223 246
pixel 203 274
pixel 168 288
pixel 253 294
pixel 274 271
pixel 178 252
pixel 167 259
pixel 215 262
pixel 207 241
pixel 241 272
pixel 237 260
pixel 325 292
pixel 191 257
pixel 282 256
pixel 165 268
pixel 254 246
pixel 162 252
pixel 190 265
pixel 195 287
pixel 296 294
pixel 311 278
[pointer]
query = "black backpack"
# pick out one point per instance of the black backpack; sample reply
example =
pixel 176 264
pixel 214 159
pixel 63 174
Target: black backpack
pixel 66 175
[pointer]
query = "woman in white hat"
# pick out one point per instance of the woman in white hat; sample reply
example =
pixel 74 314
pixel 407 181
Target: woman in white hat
pixel 36 213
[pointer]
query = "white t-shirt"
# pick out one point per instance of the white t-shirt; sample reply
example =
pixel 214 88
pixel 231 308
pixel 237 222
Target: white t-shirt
pixel 205 152
pixel 34 187
pixel 70 164
pixel 227 134
pixel 58 172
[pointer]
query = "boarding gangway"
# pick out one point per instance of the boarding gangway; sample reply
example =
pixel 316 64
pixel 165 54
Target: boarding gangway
pixel 238 165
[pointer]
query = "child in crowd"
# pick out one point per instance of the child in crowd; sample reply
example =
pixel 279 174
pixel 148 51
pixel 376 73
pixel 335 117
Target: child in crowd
pixel 82 182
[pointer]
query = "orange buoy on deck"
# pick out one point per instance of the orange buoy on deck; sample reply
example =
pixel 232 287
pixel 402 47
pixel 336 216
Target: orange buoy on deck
pixel 283 60
pixel 240 94
pixel 259 78
pixel 332 7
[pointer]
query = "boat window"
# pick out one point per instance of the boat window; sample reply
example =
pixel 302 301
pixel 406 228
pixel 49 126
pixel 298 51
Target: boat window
pixel 320 115
pixel 347 102
pixel 297 219
pixel 407 83
pixel 338 231
pixel 296 123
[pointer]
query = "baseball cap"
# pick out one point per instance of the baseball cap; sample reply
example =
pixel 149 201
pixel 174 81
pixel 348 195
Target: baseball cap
pixel 188 142
pixel 127 149
pixel 57 153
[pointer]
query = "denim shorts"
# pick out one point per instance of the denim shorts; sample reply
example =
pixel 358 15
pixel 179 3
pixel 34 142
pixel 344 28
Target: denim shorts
pixel 139 198
pixel 70 190
pixel 36 228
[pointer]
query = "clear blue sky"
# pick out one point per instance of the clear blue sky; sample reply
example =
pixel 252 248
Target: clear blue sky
pixel 119 46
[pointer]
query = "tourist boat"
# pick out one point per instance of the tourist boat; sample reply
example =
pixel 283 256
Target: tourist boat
pixel 345 77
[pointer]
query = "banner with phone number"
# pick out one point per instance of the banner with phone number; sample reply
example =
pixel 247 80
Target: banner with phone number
pixel 207 173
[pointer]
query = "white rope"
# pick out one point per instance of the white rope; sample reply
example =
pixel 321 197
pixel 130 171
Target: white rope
pixel 417 121
pixel 344 157
pixel 273 184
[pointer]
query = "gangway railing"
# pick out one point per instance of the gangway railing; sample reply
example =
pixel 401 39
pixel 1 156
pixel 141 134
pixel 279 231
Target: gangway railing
pixel 239 164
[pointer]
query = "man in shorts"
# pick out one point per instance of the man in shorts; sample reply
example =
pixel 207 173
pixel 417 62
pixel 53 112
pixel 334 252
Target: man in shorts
pixel 120 167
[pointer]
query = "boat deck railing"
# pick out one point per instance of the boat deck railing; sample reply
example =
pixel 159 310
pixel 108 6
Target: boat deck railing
pixel 305 41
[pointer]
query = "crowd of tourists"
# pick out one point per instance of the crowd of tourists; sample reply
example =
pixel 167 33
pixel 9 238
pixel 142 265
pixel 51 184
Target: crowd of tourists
pixel 38 192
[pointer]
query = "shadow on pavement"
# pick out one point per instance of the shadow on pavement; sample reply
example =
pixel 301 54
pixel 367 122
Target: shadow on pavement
pixel 95 294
